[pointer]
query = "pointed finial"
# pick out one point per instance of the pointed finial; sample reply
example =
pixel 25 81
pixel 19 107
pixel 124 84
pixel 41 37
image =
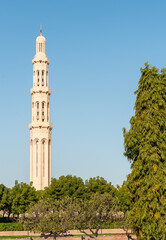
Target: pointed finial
pixel 40 29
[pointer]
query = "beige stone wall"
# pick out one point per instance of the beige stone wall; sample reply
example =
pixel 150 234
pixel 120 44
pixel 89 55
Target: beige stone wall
pixel 73 232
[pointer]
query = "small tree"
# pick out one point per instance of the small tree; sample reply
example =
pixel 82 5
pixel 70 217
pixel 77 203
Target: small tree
pixel 92 214
pixel 50 218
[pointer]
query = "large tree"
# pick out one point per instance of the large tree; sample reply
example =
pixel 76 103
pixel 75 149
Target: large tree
pixel 99 185
pixel 145 148
pixel 69 185
pixel 22 196
pixel 6 202
pixel 4 199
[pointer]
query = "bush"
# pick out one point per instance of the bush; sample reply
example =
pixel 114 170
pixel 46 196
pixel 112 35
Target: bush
pixel 113 224
pixel 6 220
pixel 11 227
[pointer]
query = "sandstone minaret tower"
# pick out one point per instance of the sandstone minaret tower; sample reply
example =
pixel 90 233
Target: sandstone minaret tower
pixel 40 127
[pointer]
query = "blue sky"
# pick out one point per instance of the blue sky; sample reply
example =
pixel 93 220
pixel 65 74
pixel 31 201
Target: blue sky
pixel 96 49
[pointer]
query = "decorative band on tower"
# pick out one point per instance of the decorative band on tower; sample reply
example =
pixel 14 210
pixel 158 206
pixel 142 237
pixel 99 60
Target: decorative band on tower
pixel 40 127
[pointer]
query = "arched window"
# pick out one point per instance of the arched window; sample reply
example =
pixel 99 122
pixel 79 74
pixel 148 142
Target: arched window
pixel 43 157
pixel 37 110
pixel 48 111
pixel 49 162
pixel 47 78
pixel 37 153
pixel 37 105
pixel 31 158
pixel 40 47
pixel 43 117
pixel 42 77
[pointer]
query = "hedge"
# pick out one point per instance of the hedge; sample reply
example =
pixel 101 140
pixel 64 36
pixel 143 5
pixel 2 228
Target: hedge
pixel 11 226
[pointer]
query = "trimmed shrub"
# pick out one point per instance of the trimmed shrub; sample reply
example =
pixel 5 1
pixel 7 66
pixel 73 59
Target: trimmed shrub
pixel 11 227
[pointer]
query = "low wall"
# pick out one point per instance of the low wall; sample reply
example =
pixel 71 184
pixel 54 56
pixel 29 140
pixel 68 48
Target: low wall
pixel 79 238
pixel 73 232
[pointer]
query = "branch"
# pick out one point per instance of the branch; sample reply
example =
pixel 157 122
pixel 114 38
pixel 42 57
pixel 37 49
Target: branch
pixel 82 231
pixel 128 235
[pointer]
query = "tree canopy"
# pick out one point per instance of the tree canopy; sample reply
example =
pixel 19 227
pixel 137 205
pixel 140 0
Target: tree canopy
pixel 50 218
pixel 91 214
pixel 145 148
pixel 17 199
pixel 69 185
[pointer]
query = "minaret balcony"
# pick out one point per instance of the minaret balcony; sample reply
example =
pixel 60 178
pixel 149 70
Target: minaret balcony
pixel 41 89
pixel 46 125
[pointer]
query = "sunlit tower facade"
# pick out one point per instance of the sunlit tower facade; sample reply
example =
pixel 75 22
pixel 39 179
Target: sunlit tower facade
pixel 40 127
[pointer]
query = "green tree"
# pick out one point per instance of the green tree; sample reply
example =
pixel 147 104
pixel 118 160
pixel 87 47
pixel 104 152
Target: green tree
pixel 4 199
pixel 50 217
pixel 123 195
pixel 71 186
pixel 6 202
pixel 98 185
pixel 22 196
pixel 90 215
pixel 145 148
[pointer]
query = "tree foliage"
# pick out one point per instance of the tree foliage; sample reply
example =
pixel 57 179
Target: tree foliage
pixel 3 199
pixel 123 195
pixel 91 214
pixel 22 196
pixel 69 185
pixel 50 218
pixel 145 148
pixel 99 185
pixel 18 199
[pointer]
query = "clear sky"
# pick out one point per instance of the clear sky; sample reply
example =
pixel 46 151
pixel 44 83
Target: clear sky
pixel 96 49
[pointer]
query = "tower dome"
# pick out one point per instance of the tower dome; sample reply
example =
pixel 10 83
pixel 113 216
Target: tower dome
pixel 40 44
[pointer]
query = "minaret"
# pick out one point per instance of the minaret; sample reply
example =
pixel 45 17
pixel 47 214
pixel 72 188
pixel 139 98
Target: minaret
pixel 40 127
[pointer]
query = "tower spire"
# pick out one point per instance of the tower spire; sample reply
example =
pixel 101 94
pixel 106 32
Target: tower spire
pixel 40 30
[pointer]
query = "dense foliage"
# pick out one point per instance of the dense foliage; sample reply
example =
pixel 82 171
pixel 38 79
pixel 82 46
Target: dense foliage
pixel 145 148
pixel 14 226
pixel 57 217
pixel 90 215
pixel 17 200
pixel 50 218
